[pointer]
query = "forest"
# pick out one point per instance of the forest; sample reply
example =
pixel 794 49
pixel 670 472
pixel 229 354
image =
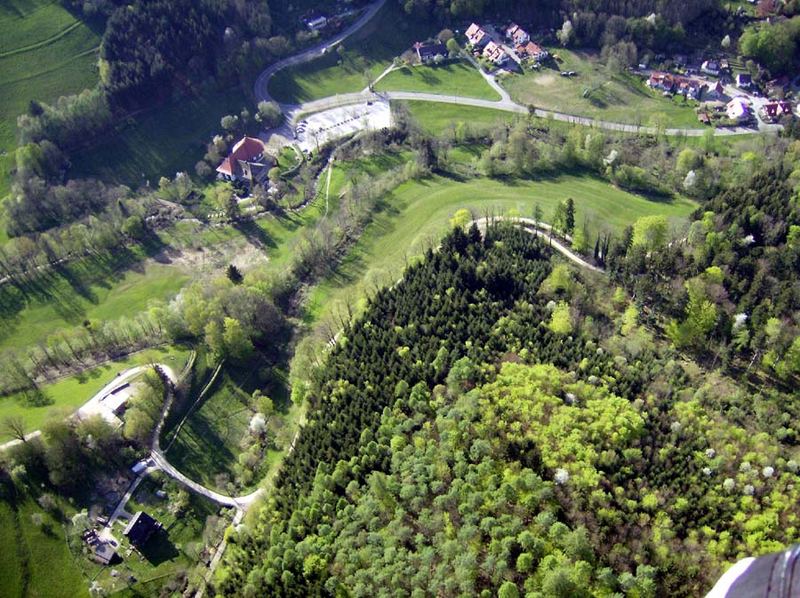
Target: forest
pixel 494 424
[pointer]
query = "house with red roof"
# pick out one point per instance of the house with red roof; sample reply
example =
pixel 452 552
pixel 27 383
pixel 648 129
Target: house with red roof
pixel 247 161
pixel 532 50
pixel 476 36
pixel 773 111
pixel 662 81
pixel 494 53
pixel 517 35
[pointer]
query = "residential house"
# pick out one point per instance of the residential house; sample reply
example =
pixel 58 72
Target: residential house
pixel 140 528
pixel 744 81
pixel 711 67
pixel 316 23
pixel 247 161
pixel 532 50
pixel 690 88
pixel 427 52
pixel 773 111
pixel 517 35
pixel 494 53
pixel 715 92
pixel 661 80
pixel 477 37
pixel 738 110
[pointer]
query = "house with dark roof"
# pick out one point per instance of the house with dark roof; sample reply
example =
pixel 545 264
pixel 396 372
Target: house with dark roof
pixel 247 161
pixel 773 111
pixel 140 528
pixel 744 81
pixel 428 51
pixel 715 92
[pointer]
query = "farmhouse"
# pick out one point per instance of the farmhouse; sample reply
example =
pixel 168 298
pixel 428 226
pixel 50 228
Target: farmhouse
pixel 517 35
pixel 744 81
pixel 477 37
pixel 247 161
pixel 773 111
pixel 738 110
pixel 690 88
pixel 494 53
pixel 429 51
pixel 140 528
pixel 662 81
pixel 532 50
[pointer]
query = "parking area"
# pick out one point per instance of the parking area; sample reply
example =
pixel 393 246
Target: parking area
pixel 318 129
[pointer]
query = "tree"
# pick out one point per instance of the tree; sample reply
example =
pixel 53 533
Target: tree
pixel 569 216
pixel 561 319
pixel 452 47
pixel 537 214
pixel 15 426
pixel 461 218
pixel 229 122
pixel 269 114
pixel 508 590
pixel 234 274
pixel 237 342
pixel 650 232
pixel 566 34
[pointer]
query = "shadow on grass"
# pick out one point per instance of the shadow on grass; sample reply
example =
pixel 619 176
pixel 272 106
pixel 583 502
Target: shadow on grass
pixel 254 234
pixel 159 549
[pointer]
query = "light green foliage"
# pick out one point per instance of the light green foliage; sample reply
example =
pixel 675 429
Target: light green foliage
pixel 238 345
pixel 650 232
pixel 580 240
pixel 700 317
pixel 560 280
pixel 561 319
pixel 774 44
pixel 630 320
pixel 461 218
pixel 688 160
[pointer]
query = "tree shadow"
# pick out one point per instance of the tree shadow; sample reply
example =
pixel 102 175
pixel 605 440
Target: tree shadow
pixel 254 234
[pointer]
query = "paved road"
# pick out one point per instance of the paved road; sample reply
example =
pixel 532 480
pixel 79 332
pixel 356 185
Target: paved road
pixel 294 111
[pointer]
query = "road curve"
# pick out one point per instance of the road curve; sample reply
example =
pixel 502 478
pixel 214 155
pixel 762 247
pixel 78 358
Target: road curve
pixel 506 104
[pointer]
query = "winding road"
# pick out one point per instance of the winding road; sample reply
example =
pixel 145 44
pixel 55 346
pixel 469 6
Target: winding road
pixel 294 111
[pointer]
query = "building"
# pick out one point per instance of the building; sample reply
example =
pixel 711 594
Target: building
pixel 773 111
pixel 715 92
pixel 662 81
pixel 738 110
pixel 477 37
pixel 711 67
pixel 744 81
pixel 690 88
pixel 247 161
pixel 517 35
pixel 494 53
pixel 532 50
pixel 140 528
pixel 316 23
pixel 428 51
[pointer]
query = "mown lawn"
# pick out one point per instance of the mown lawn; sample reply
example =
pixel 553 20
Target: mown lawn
pixel 67 394
pixel 417 213
pixel 67 301
pixel 370 50
pixel 35 561
pixel 453 78
pixel 608 96
pixel 160 142
pixel 440 119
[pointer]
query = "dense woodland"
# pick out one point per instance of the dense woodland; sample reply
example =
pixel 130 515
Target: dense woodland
pixel 617 467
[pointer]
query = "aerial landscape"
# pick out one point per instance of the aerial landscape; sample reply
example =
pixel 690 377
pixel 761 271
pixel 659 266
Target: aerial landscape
pixel 399 298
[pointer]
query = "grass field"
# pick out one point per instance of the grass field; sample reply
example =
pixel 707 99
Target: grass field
pixel 613 97
pixel 370 50
pixel 160 142
pixel 70 393
pixel 441 119
pixel 68 301
pixel 417 214
pixel 453 78
pixel 44 53
pixel 35 561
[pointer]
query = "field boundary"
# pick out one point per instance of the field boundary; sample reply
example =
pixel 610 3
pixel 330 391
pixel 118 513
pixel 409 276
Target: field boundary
pixel 42 43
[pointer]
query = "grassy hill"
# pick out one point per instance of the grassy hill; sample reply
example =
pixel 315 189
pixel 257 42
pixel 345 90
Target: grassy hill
pixel 418 213
pixel 45 52
pixel 454 78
